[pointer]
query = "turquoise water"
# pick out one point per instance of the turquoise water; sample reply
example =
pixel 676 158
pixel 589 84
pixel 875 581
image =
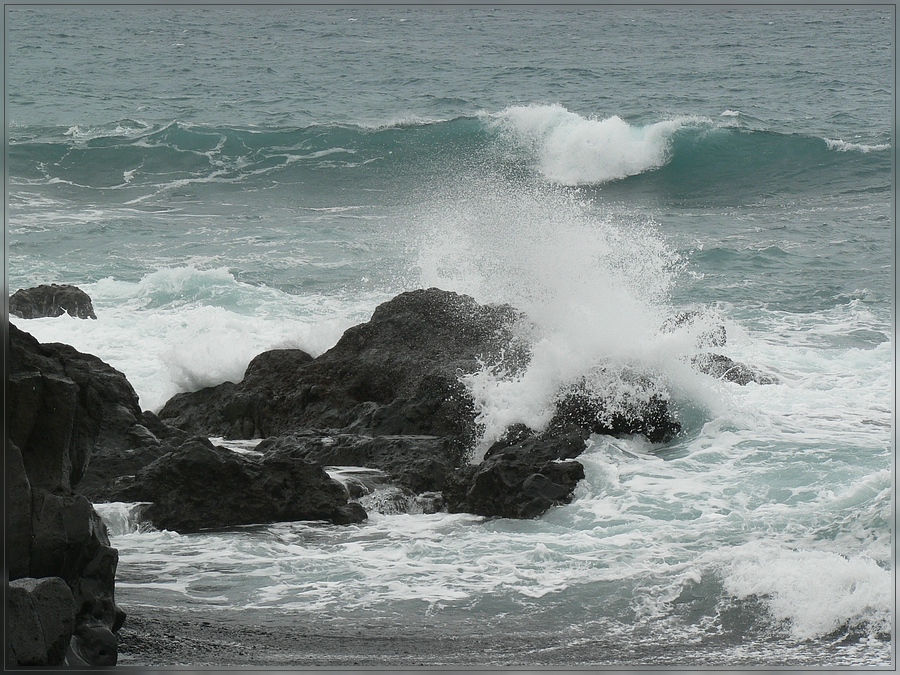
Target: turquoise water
pixel 225 180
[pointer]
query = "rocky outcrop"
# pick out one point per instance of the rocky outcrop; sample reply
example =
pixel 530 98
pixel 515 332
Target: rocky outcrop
pixel 123 454
pixel 40 615
pixel 418 463
pixel 60 397
pixel 713 364
pixel 631 404
pixel 519 477
pixel 388 396
pixel 56 406
pixel 48 300
pixel 397 374
pixel 200 486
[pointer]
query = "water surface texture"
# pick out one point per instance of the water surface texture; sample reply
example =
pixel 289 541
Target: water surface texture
pixel 226 180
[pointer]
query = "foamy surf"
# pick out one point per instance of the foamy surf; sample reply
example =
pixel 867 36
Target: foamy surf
pixel 182 329
pixel 573 150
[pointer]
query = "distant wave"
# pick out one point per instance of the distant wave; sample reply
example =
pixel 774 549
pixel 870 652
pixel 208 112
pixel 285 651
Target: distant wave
pixel 556 144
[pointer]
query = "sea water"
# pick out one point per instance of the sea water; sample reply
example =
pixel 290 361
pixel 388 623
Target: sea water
pixel 227 180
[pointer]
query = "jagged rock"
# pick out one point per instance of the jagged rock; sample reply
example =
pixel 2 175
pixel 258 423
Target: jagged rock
pixel 70 541
pixel 48 300
pixel 519 480
pixel 200 486
pixel 18 513
pixel 397 374
pixel 93 644
pixel 59 402
pixel 723 368
pixel 388 395
pixel 716 336
pixel 60 397
pixel 40 621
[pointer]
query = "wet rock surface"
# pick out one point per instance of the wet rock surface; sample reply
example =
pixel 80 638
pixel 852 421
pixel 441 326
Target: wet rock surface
pixel 519 479
pixel 418 463
pixel 49 300
pixel 201 485
pixel 396 374
pixel 62 398
pixel 723 368
pixel 388 395
pixel 57 403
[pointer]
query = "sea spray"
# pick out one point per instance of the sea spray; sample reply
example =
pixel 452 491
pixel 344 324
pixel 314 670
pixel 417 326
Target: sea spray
pixel 593 285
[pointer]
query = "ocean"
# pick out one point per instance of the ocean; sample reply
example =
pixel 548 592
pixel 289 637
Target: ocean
pixel 223 180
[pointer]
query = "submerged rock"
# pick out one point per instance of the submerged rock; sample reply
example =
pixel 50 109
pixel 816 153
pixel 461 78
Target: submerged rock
pixel 519 480
pixel 724 368
pixel 49 300
pixel 200 486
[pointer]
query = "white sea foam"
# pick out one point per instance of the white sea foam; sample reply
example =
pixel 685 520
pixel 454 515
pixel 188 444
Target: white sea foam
pixel 815 592
pixel 122 518
pixel 181 329
pixel 574 150
pixel 846 146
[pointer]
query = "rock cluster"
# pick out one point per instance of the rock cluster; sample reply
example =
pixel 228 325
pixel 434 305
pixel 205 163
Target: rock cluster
pixel 388 396
pixel 201 486
pixel 396 374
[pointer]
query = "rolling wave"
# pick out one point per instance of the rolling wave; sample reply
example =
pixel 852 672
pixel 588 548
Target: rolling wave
pixel 683 154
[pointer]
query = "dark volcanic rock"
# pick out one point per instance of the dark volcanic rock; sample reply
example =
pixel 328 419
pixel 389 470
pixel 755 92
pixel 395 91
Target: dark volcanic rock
pixel 522 480
pixel 724 368
pixel 201 486
pixel 19 526
pixel 40 616
pixel 637 409
pixel 58 404
pixel 51 300
pixel 62 398
pixel 397 374
pixel 388 395
pixel 714 336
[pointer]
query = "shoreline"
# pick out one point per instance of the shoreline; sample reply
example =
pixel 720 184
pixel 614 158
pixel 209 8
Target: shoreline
pixel 156 638
pixel 165 638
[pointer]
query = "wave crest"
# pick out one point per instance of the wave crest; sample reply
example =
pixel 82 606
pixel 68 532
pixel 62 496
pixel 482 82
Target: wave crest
pixel 574 150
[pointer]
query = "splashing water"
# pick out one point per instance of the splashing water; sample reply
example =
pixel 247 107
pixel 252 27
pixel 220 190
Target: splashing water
pixel 594 288
pixel 574 150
